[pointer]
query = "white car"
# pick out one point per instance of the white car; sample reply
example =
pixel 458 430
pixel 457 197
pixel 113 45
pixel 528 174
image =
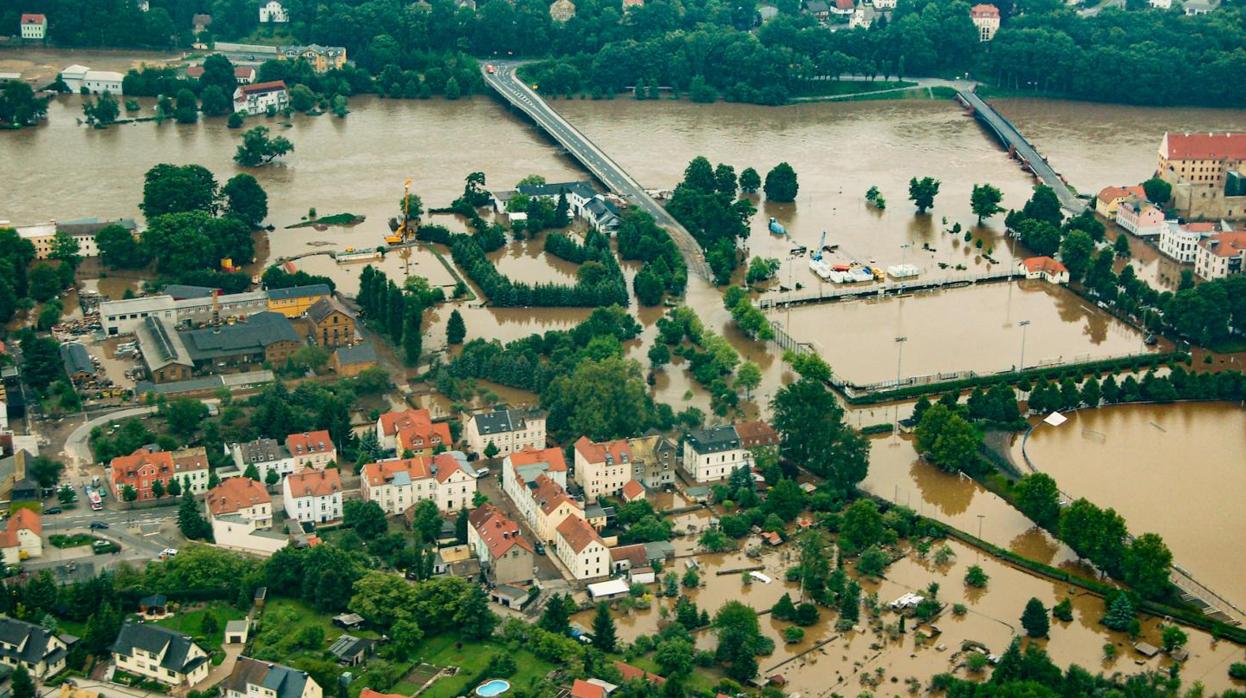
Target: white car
pixel 481 472
pixel 168 553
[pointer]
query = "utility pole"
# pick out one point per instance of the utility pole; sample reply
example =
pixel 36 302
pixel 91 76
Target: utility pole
pixel 895 424
pixel 1021 365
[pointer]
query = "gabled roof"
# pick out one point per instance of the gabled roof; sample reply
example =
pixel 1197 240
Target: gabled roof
pixel 551 459
pixel 713 439
pixel 24 641
pixel 325 307
pixel 1204 146
pixel 400 471
pixel 1225 244
pixel 258 332
pixel 76 358
pixel 1110 194
pixel 22 519
pixel 281 680
pixel 632 491
pixel 261 451
pixel 235 494
pixel 984 10
pixel 176 647
pixel 609 452
pixel 583 689
pixel 355 354
pixel 503 420
pixel 548 494
pixel 756 432
pixel 314 483
pixel 445 465
pixel 260 88
pixel 578 534
pixel 498 532
pixel 1047 265
pixel 126 467
pixel 34 18
pixel 309 442
pixel 630 673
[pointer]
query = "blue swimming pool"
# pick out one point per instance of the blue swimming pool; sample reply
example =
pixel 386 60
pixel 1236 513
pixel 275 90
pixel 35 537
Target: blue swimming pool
pixel 493 687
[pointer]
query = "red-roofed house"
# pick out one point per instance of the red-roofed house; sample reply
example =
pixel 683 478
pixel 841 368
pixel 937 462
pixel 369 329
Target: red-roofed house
pixel 399 484
pixel 521 468
pixel 313 495
pixel 1207 172
pixel 1110 199
pixel 412 430
pixel 34 27
pixel 1180 240
pixel 842 7
pixel 260 97
pixel 602 468
pixel 145 467
pixel 23 536
pixel 986 19
pixel 504 554
pixel 241 497
pixel 632 491
pixel 631 673
pixel 311 449
pixel 244 74
pixel 1044 268
pixel 581 549
pixel 1221 255
pixel 756 434
pixel 583 689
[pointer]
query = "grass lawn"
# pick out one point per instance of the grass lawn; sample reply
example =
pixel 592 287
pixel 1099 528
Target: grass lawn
pixel 63 541
pixel 827 88
pixel 471 659
pixel 190 622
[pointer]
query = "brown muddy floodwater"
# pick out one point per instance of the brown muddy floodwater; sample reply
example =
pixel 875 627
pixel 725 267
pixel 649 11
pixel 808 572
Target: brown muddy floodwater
pixel 1176 470
pixel 839 150
pixel 972 328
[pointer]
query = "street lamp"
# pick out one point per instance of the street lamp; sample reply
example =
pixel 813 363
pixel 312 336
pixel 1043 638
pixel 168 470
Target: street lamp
pixel 895 423
pixel 1021 365
pixel 980 517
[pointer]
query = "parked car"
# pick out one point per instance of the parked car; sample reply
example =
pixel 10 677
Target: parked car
pixel 540 548
pixel 168 553
pixel 52 510
pixel 98 525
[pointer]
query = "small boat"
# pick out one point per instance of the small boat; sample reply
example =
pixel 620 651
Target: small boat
pixel 776 228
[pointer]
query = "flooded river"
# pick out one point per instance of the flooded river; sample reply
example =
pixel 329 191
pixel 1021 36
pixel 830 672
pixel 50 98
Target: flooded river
pixel 858 338
pixel 1176 470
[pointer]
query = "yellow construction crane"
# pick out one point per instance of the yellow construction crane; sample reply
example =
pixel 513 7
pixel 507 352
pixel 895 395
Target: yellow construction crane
pixel 404 227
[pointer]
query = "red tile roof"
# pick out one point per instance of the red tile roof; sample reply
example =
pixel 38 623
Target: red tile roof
pixel 1044 264
pixel 498 532
pixel 618 450
pixel 582 689
pixel 314 483
pixel 634 554
pixel 1110 194
pixel 756 433
pixel 551 456
pixel 630 672
pixel 549 495
pixel 632 491
pixel 235 494
pixel 261 87
pixel 1229 244
pixel 194 71
pixel 22 518
pixel 578 534
pixel 380 473
pixel 392 422
pixel 415 429
pixel 1205 146
pixel 243 71
pixel 984 10
pixel 309 442
pixel 34 18
pixel 445 465
pixel 369 693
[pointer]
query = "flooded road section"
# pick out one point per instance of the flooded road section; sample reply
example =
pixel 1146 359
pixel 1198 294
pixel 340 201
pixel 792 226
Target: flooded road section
pixel 1176 470
pixel 960 329
pixel 839 150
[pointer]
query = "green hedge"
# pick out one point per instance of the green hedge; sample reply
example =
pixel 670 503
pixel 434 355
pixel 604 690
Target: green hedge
pixel 884 428
pixel 1032 375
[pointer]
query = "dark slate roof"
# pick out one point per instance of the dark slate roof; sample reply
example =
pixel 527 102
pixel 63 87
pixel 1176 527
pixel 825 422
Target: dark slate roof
pixel 91 226
pixel 179 291
pixel 252 336
pixel 261 451
pixel 501 420
pixel 154 639
pixel 298 292
pixel 322 308
pixel 76 358
pixel 552 190
pixel 713 439
pixel 349 647
pixel 30 642
pixel 361 353
pixel 282 680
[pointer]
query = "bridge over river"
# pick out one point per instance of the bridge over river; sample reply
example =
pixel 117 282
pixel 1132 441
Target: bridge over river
pixel 507 85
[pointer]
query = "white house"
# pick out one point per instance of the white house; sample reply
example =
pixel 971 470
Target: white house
pixel 508 429
pixel 34 27
pixel 714 453
pixel 1221 255
pixel 986 18
pixel 1045 268
pixel 1161 4
pixel 602 468
pixel 265 454
pixel 252 678
pixel 272 11
pixel 411 429
pixel 520 471
pixel 1181 241
pixel 22 537
pixel 313 495
pixel 101 81
pixel 398 484
pixel 29 645
pixel 259 97
pixel 241 512
pixel 581 549
pixel 74 77
pixel 160 654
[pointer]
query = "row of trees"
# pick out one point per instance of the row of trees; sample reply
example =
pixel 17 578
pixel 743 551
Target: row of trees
pixel 664 272
pixel 706 203
pixel 397 311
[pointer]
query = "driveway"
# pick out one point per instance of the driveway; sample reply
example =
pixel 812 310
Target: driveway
pixel 77 451
pixel 222 671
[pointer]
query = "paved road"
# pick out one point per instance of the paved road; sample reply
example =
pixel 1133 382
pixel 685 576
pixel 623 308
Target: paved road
pixel 1012 137
pixel 78 451
pixel 921 84
pixel 513 90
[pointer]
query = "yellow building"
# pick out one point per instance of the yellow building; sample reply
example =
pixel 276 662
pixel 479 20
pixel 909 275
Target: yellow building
pixel 321 58
pixel 295 301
